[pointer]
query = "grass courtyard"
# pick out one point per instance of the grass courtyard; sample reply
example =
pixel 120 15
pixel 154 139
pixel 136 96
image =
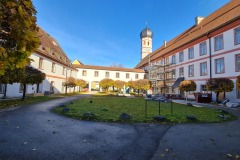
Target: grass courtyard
pixel 109 108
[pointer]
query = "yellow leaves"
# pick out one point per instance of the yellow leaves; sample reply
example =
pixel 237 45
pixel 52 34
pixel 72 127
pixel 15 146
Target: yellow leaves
pixel 187 85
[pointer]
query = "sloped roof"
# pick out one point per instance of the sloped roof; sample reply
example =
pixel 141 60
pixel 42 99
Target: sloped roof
pixel 51 48
pixel 76 61
pixel 108 68
pixel 222 16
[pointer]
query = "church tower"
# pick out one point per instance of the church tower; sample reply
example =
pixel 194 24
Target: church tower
pixel 146 42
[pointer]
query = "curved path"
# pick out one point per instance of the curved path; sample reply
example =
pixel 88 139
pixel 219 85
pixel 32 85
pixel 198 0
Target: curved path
pixel 33 132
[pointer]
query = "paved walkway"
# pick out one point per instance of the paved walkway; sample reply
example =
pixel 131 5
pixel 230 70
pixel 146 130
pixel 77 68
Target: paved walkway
pixel 33 132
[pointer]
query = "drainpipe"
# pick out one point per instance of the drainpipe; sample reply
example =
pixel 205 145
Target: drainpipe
pixel 210 57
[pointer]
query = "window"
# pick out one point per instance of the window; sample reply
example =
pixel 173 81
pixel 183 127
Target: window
pixel 173 73
pixel 1 88
pixel 219 66
pixel 181 57
pixel 203 48
pixel 218 42
pixel 40 63
pixel 95 73
pixel 84 73
pixel 237 35
pixel 63 71
pixel 127 75
pixel 21 88
pixel 107 74
pixel 173 59
pixel 203 68
pixel 203 88
pixel 117 75
pixel 136 76
pixel 190 53
pixel 238 93
pixel 181 72
pixel 237 61
pixel 53 67
pixel 167 61
pixel 191 70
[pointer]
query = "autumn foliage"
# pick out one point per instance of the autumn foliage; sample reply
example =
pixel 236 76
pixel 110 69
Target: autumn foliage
pixel 187 85
pixel 18 34
pixel 81 83
pixel 219 85
pixel 119 84
pixel 106 83
pixel 141 84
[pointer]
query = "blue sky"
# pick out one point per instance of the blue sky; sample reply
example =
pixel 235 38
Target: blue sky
pixel 106 32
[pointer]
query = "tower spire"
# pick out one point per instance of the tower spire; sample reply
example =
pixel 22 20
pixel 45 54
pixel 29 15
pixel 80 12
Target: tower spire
pixel 146 24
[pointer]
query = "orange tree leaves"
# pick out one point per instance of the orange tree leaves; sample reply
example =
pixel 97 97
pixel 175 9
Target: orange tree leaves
pixel 106 83
pixel 119 84
pixel 220 85
pixel 187 85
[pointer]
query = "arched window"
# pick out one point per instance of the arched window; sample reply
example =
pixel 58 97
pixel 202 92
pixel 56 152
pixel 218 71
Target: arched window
pixel 144 42
pixel 148 43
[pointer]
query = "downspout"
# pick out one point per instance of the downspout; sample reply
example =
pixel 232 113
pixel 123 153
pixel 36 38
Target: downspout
pixel 210 58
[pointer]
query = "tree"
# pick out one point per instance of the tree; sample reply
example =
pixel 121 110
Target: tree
pixel 187 85
pixel 116 65
pixel 106 83
pixel 219 85
pixel 142 84
pixel 10 77
pixel 18 33
pixel 71 82
pixel 119 84
pixel 162 86
pixel 81 83
pixel 130 84
pixel 31 76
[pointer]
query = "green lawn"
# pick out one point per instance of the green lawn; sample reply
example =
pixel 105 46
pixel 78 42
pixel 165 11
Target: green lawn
pixel 109 108
pixel 28 100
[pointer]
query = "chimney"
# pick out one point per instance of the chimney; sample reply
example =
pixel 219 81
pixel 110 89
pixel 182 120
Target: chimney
pixel 165 43
pixel 198 20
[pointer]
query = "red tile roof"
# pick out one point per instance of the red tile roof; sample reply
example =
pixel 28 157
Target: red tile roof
pixel 109 68
pixel 221 17
pixel 47 44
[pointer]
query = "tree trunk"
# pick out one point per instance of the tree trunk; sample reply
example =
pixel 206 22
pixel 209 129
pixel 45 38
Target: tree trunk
pixel 37 87
pixel 66 90
pixel 186 95
pixel 224 95
pixel 217 94
pixel 73 89
pixel 138 91
pixel 24 91
pixel 5 91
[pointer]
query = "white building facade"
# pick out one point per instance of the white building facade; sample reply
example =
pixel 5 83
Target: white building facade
pixel 94 74
pixel 51 60
pixel 209 49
